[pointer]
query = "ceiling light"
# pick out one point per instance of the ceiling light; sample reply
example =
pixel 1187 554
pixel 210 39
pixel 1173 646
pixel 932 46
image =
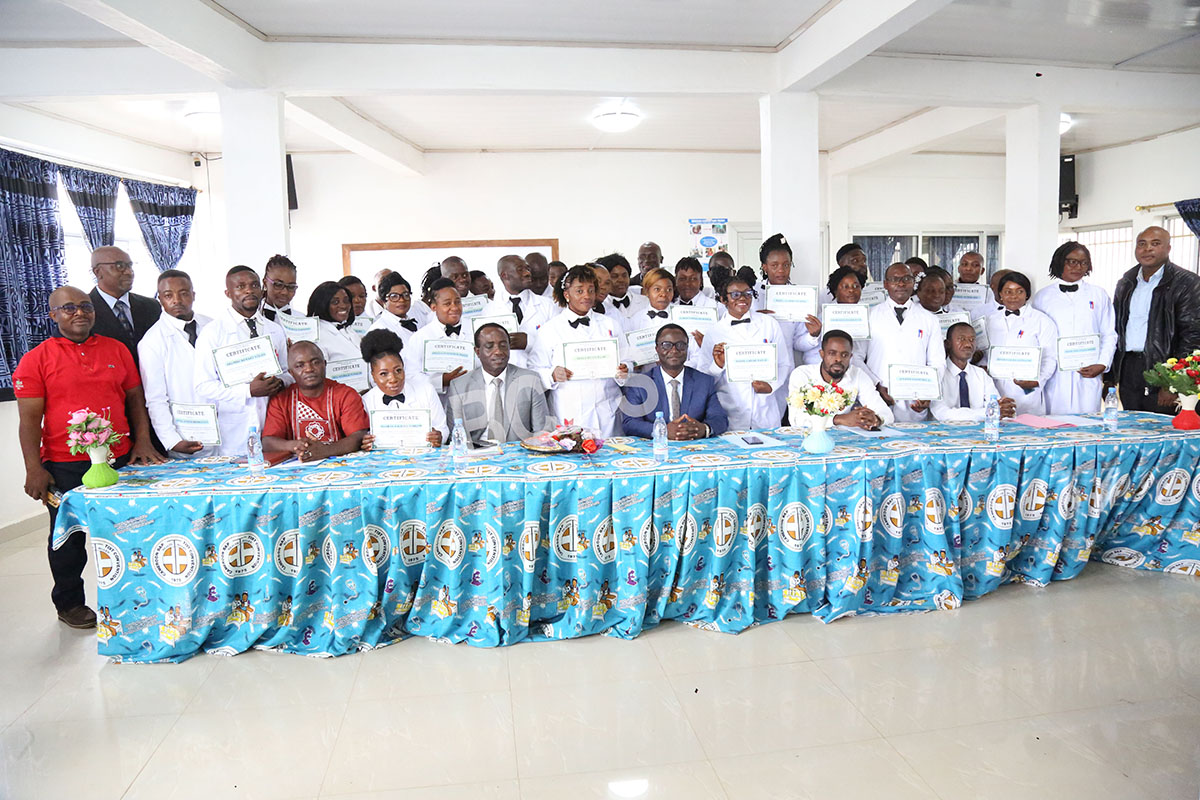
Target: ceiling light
pixel 1064 123
pixel 616 119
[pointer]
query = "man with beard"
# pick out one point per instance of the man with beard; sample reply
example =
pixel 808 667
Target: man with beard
pixel 837 348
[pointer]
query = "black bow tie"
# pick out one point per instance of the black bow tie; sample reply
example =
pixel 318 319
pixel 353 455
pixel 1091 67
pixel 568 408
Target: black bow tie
pixel 685 302
pixel 1016 313
pixel 453 330
pixel 575 323
pixel 408 324
pixel 1068 287
pixel 341 326
pixel 600 309
pixel 745 321
pixel 653 314
pixel 399 398
pixel 622 303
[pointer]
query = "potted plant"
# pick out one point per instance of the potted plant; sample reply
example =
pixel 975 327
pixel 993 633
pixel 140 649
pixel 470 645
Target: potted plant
pixel 815 405
pixel 1181 376
pixel 91 433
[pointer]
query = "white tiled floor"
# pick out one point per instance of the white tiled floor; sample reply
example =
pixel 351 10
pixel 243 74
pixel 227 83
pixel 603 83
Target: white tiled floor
pixel 1088 689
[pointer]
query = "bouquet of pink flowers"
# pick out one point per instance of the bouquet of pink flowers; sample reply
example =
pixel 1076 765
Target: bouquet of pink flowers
pixel 87 430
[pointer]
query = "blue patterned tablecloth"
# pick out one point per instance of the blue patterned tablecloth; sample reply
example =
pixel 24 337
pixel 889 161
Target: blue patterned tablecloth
pixel 357 552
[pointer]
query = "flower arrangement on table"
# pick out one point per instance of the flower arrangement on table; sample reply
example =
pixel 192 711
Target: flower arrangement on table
pixel 1181 376
pixel 820 403
pixel 565 438
pixel 92 433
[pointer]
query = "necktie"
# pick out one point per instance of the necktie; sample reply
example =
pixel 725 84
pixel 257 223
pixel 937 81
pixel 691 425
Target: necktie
pixel 496 412
pixel 123 317
pixel 252 325
pixel 453 330
pixel 674 398
pixel 399 398
pixel 654 314
pixel 1068 287
pixel 621 302
pixel 575 323
pixel 408 324
pixel 190 330
pixel 900 314
pixel 964 396
pixel 1016 313
pixel 516 303
pixel 745 321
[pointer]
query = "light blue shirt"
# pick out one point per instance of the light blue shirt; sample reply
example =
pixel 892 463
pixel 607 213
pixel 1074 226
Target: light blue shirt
pixel 1139 310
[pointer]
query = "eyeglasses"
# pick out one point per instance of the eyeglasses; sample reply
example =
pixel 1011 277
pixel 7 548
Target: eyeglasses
pixel 1078 262
pixel 666 347
pixel 117 266
pixel 291 287
pixel 736 295
pixel 394 296
pixel 902 280
pixel 72 309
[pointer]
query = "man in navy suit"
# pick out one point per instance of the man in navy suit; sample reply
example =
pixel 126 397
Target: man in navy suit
pixel 120 314
pixel 686 397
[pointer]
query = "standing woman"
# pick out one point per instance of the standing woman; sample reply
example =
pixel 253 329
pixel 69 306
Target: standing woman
pixel 755 404
pixel 1018 324
pixel 775 260
pixel 395 298
pixel 1078 308
pixel 845 287
pixel 358 296
pixel 591 403
pixel 331 305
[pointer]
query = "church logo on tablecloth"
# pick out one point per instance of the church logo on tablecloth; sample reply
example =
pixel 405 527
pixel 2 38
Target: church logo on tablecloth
pixel 110 563
pixel 492 547
pixel 528 546
pixel 935 511
pixel 1172 487
pixel 966 504
pixel 329 552
pixel 288 557
pixel 1096 499
pixel 864 518
pixel 756 524
pixel 1001 503
pixel 174 560
pixel 604 541
pixel 1143 487
pixel 569 541
pixel 241 554
pixel 795 526
pixel 891 514
pixel 1033 500
pixel 377 546
pixel 1123 557
pixel 648 537
pixel 1187 566
pixel 724 531
pixel 686 533
pixel 1068 501
pixel 449 545
pixel 412 542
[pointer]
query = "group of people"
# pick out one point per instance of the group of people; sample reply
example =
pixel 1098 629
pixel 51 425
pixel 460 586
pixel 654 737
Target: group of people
pixel 137 359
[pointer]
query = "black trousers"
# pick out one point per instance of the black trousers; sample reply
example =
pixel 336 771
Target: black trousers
pixel 1131 386
pixel 68 561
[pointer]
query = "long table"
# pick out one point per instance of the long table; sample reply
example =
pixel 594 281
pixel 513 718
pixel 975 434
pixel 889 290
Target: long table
pixel 358 552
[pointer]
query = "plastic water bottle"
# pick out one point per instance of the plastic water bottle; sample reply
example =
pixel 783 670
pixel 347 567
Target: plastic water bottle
pixel 991 418
pixel 458 442
pixel 254 453
pixel 1110 410
pixel 660 437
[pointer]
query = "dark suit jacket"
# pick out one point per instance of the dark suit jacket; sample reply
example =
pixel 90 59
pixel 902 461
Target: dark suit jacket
pixel 1173 328
pixel 525 407
pixel 144 310
pixel 699 401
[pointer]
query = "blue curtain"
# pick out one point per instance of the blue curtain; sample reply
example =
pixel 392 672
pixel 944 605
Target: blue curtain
pixel 883 251
pixel 31 256
pixel 164 214
pixel 94 196
pixel 1190 211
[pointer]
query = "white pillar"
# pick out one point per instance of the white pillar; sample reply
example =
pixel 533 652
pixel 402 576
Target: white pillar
pixel 252 149
pixel 839 215
pixel 1031 188
pixel 791 178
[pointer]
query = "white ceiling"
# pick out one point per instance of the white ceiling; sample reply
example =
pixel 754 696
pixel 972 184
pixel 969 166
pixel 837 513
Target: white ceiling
pixel 746 23
pixel 1089 132
pixel 28 21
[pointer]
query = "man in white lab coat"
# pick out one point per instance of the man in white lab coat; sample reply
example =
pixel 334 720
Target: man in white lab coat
pixel 903 333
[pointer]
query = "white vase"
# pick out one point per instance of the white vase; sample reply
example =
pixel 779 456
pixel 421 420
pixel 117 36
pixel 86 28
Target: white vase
pixel 98 455
pixel 1187 402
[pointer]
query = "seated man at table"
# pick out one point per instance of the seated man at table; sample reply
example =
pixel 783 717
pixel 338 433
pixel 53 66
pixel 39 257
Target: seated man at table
pixel 837 349
pixel 498 401
pixel 686 397
pixel 315 417
pixel 965 387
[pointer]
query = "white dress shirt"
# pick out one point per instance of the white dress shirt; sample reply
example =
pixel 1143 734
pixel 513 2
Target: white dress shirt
pixel 1030 328
pixel 535 312
pixel 855 379
pixel 1139 310
pixel 112 302
pixel 746 408
pixel 979 386
pixel 414 350
pixel 1087 310
pixel 917 342
pixel 701 300
pixel 166 360
pixel 387 321
pixel 637 302
pixel 342 345
pixel 590 403
pixel 417 395
pixel 236 409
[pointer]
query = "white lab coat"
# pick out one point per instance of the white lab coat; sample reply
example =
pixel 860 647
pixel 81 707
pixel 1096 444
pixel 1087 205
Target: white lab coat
pixel 590 403
pixel 1085 311
pixel 166 361
pixel 746 408
pixel 918 342
pixel 1030 328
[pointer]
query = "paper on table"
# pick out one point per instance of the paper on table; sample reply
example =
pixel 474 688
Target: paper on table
pixel 882 433
pixel 1034 421
pixel 1075 419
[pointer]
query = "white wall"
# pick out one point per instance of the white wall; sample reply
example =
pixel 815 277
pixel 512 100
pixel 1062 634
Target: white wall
pixel 928 192
pixel 14 505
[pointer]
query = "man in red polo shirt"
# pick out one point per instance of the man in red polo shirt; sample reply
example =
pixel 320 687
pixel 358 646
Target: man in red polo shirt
pixel 315 417
pixel 66 373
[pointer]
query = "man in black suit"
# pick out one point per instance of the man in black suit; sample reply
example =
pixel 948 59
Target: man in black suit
pixel 120 314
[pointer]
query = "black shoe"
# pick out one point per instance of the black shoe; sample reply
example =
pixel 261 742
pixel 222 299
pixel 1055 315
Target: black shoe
pixel 80 617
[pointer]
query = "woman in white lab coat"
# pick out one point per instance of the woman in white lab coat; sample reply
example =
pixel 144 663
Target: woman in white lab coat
pixel 330 304
pixel 1020 324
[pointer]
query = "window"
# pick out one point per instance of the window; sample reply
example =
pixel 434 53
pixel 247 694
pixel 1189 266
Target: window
pixel 1112 252
pixel 1185 245
pixel 883 251
pixel 943 249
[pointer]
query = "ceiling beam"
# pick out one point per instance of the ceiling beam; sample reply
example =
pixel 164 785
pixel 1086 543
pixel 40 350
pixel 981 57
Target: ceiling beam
pixel 345 125
pixel 842 33
pixel 190 32
pixel 907 136
pixel 77 73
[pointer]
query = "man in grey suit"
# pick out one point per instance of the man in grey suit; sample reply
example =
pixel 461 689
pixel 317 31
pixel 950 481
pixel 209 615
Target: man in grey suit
pixel 498 402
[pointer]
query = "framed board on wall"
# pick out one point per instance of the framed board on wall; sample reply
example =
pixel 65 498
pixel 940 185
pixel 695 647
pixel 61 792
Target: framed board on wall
pixel 412 259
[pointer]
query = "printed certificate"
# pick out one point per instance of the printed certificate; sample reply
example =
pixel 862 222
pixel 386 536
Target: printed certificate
pixel 694 318
pixel 447 355
pixel 873 294
pixel 750 362
pixel 361 325
pixel 913 382
pixel 981 335
pixel 196 422
pixel 792 303
pixel 853 318
pixel 641 346
pixel 592 359
pixel 473 305
pixel 400 428
pixel 951 318
pixel 241 362
pixel 971 294
pixel 350 371
pixel 1076 352
pixel 1014 362
pixel 299 329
